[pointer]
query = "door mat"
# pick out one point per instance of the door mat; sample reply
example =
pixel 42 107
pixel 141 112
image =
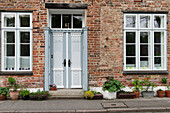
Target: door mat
pixel 114 105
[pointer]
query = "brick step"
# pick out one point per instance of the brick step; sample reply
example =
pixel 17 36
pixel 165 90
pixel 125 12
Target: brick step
pixel 67 93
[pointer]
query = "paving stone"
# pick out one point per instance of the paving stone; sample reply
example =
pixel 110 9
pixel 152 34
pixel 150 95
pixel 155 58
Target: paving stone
pixel 45 111
pixel 90 111
pixel 153 109
pixel 114 105
pixel 117 110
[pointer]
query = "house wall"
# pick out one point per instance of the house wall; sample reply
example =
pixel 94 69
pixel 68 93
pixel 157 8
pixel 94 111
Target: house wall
pixel 104 19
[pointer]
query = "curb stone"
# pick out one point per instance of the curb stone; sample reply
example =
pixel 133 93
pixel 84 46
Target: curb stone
pixel 123 110
pixel 45 111
pixel 89 111
pixel 153 109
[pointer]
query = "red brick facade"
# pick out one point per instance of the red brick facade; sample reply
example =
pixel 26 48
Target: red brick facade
pixel 104 19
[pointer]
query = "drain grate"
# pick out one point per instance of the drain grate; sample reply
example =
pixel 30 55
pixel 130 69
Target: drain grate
pixel 114 105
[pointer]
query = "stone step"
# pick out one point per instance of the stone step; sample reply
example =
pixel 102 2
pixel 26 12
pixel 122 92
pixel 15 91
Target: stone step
pixel 67 93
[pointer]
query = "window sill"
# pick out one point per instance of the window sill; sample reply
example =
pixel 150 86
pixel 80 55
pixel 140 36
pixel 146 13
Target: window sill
pixel 15 73
pixel 162 72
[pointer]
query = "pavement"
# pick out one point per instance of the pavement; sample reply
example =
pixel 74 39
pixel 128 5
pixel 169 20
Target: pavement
pixel 87 106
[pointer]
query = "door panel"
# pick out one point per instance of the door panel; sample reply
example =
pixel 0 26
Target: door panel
pixel 75 60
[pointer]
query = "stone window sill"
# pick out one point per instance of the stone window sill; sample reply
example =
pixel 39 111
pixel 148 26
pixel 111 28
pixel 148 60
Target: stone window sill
pixel 164 72
pixel 16 73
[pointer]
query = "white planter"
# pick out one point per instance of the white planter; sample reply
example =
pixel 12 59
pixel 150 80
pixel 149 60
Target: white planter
pixel 109 95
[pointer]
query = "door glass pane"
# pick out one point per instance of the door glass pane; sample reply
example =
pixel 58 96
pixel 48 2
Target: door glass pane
pixel 66 21
pixel 9 63
pixel 9 20
pixel 77 21
pixel 56 21
pixel 130 63
pixel 130 37
pixel 144 21
pixel 130 21
pixel 158 21
pixel 24 20
pixel 25 37
pixel 24 63
pixel 130 50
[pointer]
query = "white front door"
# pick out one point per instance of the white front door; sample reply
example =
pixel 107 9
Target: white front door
pixel 67 59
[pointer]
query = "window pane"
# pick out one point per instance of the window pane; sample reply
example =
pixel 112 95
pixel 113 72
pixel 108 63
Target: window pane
pixel 10 50
pixel 9 37
pixel 56 21
pixel 130 50
pixel 159 62
pixel 77 21
pixel 130 63
pixel 144 37
pixel 9 63
pixel 157 50
pixel 66 21
pixel 130 21
pixel 24 20
pixel 130 37
pixel 25 50
pixel 145 63
pixel 144 21
pixel 25 37
pixel 9 20
pixel 143 50
pixel 158 21
pixel 24 64
pixel 158 37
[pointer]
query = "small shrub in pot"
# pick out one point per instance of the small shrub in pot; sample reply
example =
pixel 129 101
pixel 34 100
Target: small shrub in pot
pixel 24 94
pixel 13 92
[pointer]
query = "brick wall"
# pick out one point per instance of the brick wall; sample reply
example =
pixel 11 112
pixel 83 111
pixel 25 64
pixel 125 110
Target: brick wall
pixel 105 37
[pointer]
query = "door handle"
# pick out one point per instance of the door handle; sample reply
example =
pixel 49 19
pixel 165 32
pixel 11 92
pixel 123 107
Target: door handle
pixel 64 62
pixel 69 63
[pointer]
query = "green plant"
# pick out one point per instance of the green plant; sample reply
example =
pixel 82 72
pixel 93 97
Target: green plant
pixel 146 82
pixel 137 85
pixel 112 85
pixel 94 92
pixel 160 90
pixel 168 87
pixel 42 95
pixel 164 80
pixel 4 91
pixel 88 94
pixel 13 83
pixel 24 92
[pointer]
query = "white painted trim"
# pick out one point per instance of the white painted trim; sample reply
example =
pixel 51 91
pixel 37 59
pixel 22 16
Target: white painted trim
pixel 76 86
pixel 67 78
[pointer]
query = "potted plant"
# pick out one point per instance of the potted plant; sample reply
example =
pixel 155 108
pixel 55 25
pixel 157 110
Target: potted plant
pixel 125 95
pixel 160 93
pixel 13 93
pixel 147 83
pixel 88 95
pixel 53 87
pixel 24 94
pixel 97 95
pixel 137 86
pixel 110 87
pixel 39 95
pixel 168 91
pixel 3 92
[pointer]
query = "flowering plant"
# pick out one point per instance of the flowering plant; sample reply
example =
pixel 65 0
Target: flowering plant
pixel 52 85
pixel 146 82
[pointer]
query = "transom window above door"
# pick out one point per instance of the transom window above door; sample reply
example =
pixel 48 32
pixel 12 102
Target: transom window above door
pixel 66 21
pixel 145 37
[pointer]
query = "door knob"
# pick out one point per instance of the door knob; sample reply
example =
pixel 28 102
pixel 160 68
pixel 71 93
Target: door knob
pixel 69 62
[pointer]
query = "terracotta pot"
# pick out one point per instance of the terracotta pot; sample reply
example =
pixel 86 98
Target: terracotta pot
pixel 167 93
pixel 53 88
pixel 14 95
pixel 137 94
pixel 2 97
pixel 161 94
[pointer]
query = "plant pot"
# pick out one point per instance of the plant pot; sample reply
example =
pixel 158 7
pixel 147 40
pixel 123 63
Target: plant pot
pixel 149 94
pixel 25 97
pixel 2 97
pixel 14 95
pixel 53 88
pixel 167 93
pixel 98 96
pixel 136 94
pixel 126 95
pixel 109 95
pixel 161 94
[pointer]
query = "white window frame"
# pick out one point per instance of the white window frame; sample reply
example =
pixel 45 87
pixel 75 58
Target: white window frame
pixel 151 30
pixel 17 31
